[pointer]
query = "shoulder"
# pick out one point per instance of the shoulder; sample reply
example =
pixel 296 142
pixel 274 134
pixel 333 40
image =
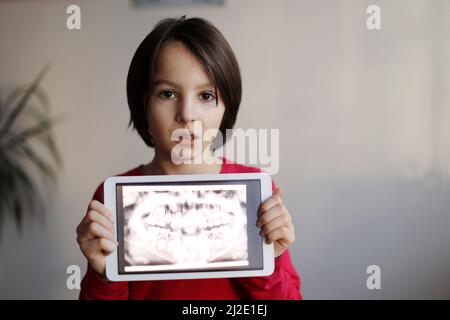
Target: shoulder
pixel 98 194
pixel 233 167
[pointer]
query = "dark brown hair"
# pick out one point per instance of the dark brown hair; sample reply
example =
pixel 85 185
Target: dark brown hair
pixel 211 49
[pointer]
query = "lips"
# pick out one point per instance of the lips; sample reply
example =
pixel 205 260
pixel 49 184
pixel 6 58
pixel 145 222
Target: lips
pixel 189 138
pixel 185 135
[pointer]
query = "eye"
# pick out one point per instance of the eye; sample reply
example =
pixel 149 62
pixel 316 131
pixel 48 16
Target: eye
pixel 167 94
pixel 207 96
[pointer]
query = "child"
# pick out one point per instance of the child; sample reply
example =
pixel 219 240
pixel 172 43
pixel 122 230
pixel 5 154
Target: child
pixel 185 72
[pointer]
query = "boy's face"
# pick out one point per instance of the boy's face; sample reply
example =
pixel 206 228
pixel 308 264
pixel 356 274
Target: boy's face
pixel 182 93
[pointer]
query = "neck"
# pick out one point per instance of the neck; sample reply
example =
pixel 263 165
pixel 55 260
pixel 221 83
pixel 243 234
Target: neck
pixel 163 166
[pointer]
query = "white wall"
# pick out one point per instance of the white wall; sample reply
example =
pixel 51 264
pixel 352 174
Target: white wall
pixel 363 116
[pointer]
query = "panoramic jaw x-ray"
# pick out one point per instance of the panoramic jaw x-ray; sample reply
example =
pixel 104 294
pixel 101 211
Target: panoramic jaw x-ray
pixel 184 227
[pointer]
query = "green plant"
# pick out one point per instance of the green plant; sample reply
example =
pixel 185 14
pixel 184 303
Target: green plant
pixel 21 126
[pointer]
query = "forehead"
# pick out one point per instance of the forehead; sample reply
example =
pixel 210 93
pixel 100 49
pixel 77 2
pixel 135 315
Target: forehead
pixel 177 63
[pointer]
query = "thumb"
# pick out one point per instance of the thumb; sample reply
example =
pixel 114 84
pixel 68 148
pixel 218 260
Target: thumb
pixel 279 192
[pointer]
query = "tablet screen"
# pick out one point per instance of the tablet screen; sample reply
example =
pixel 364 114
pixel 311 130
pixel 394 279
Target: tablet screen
pixel 188 226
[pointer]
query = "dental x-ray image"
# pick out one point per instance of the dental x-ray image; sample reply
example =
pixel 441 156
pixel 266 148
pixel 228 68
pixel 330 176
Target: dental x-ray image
pixel 184 227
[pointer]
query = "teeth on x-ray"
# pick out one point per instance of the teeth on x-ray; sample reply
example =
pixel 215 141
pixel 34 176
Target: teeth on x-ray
pixel 185 227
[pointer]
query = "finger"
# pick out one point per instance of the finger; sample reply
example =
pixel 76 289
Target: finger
pixel 279 192
pixel 106 246
pixel 269 215
pixel 97 206
pixel 280 221
pixel 83 233
pixel 94 248
pixel 95 216
pixel 100 207
pixel 283 235
pixel 269 203
pixel 94 230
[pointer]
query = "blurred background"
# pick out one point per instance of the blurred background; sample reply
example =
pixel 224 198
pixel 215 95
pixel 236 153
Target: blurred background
pixel 364 119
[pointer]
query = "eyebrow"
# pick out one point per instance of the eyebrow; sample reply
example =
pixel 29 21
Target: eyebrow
pixel 164 81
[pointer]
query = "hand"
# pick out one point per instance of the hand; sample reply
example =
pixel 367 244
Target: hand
pixel 276 223
pixel 95 236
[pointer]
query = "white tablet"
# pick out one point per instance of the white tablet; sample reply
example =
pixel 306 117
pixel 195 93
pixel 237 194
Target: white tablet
pixel 188 226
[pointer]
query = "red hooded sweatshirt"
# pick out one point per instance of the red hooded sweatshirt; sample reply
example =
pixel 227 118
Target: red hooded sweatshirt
pixel 284 283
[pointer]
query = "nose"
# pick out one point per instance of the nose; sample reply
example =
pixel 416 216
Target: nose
pixel 186 111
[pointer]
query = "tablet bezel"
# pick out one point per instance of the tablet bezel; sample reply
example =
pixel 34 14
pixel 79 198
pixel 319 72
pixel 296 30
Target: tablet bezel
pixel 110 202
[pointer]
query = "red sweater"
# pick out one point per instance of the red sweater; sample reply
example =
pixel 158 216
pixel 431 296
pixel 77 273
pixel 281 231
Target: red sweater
pixel 284 283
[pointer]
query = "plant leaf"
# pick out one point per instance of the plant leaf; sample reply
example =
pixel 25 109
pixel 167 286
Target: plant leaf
pixel 39 93
pixel 28 191
pixel 16 188
pixel 23 136
pixel 47 139
pixel 44 168
pixel 23 101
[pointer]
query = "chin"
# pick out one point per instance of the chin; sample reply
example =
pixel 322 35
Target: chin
pixel 183 154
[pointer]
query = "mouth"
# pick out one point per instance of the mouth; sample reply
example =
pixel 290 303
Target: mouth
pixel 188 229
pixel 187 138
